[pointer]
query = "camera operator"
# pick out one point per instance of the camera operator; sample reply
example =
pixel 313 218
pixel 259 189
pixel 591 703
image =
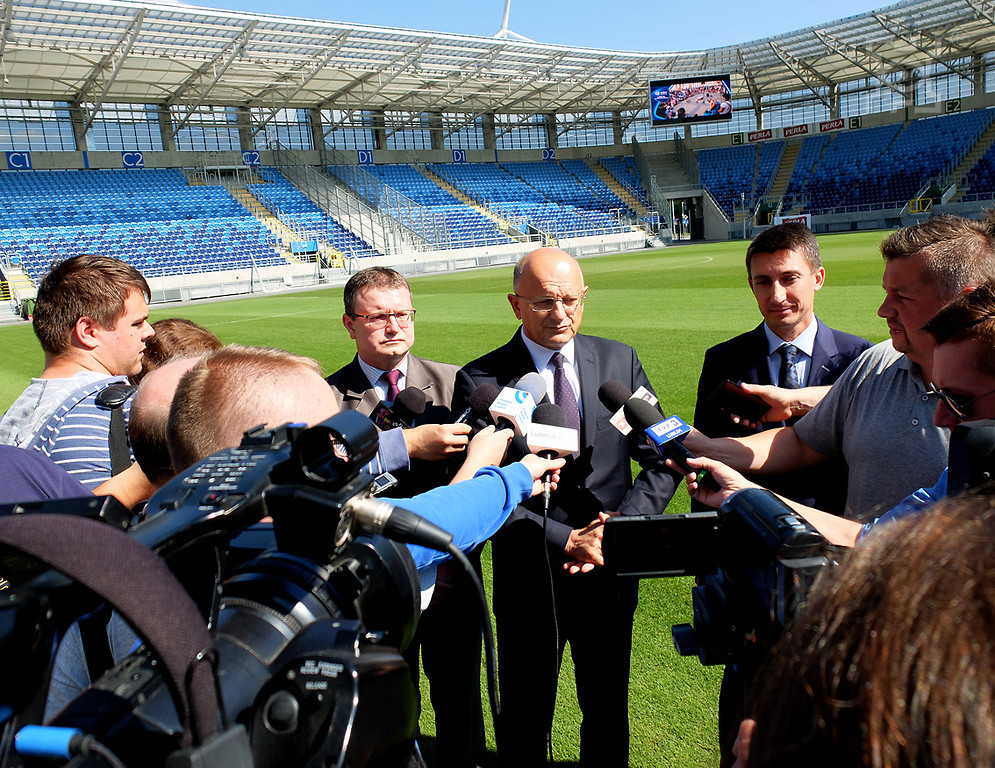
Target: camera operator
pixel 892 662
pixel 235 389
pixel 963 380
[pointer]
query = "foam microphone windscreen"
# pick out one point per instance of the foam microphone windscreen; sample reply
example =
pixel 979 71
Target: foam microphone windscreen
pixel 534 384
pixel 549 414
pixel 613 394
pixel 409 404
pixel 481 398
pixel 640 414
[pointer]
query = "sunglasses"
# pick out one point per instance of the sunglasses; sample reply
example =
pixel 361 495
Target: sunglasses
pixel 959 406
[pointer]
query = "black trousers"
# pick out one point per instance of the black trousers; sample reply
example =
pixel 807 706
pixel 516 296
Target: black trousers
pixel 449 640
pixel 594 614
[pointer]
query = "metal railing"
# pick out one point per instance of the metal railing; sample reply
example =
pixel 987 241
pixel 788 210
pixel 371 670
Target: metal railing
pixel 381 232
pixel 687 159
pixel 420 227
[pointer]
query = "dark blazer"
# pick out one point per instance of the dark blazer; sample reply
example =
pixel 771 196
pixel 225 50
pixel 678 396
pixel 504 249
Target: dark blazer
pixel 744 359
pixel 599 479
pixel 353 391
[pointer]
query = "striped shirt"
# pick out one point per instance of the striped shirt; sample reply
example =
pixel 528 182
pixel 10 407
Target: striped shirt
pixel 76 436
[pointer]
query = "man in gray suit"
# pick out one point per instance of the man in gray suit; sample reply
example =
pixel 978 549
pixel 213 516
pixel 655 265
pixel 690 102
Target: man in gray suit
pixel 379 316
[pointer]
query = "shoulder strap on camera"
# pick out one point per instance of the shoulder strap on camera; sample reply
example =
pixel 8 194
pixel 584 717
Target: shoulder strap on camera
pixel 139 585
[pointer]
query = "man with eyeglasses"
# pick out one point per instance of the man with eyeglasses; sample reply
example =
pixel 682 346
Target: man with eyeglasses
pixel 380 318
pixel 879 414
pixel 532 556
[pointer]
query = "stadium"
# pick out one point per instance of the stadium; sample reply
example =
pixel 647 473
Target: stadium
pixel 234 155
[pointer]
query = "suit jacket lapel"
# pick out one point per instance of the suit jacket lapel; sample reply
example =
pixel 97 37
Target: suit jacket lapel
pixel 756 353
pixel 587 372
pixel 358 387
pixel 519 358
pixel 823 352
pixel 417 376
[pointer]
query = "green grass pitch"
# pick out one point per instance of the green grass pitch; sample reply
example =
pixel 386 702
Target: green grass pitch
pixel 671 305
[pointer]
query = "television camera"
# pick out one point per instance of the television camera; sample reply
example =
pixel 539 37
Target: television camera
pixel 297 629
pixel 754 561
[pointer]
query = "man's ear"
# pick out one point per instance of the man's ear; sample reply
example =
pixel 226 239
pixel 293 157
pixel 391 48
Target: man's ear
pixel 85 333
pixel 513 300
pixel 350 325
pixel 820 277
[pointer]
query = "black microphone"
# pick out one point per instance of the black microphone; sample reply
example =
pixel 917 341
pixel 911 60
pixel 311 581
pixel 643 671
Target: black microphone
pixel 614 395
pixel 407 406
pixel 549 437
pixel 377 516
pixel 665 436
pixel 479 402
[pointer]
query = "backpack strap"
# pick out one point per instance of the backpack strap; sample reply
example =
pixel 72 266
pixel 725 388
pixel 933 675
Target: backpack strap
pixel 112 398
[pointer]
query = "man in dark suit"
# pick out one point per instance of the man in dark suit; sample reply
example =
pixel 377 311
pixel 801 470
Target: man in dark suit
pixel 784 271
pixel 593 610
pixel 379 315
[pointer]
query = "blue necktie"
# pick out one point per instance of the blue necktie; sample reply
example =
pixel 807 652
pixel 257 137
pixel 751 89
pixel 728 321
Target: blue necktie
pixel 790 372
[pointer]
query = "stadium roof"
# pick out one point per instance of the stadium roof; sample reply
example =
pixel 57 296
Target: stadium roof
pixel 94 53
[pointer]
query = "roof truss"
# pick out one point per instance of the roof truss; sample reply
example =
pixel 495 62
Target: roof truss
pixel 102 52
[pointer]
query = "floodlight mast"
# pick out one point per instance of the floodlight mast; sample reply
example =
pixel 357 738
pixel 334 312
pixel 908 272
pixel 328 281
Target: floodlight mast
pixel 504 33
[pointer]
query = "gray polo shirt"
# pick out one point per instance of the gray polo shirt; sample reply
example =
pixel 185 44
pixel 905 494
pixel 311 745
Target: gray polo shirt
pixel 880 418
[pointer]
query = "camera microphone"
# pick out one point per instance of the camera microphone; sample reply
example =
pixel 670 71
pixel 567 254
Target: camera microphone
pixel 665 436
pixel 402 413
pixel 396 523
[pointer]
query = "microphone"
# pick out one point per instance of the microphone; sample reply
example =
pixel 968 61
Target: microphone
pixel 396 523
pixel 513 407
pixel 534 384
pixel 614 395
pixel 407 406
pixel 548 437
pixel 479 402
pixel 665 436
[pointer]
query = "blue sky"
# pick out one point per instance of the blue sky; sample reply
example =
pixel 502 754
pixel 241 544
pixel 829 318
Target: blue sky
pixel 628 25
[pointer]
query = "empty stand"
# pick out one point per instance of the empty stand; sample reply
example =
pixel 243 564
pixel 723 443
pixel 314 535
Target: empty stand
pixel 151 218
pixel 298 212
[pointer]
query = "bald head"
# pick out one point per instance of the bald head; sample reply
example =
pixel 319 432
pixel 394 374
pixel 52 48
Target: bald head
pixel 237 388
pixel 540 276
pixel 149 416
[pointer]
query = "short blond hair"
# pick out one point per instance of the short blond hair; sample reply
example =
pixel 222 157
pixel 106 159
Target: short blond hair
pixel 228 392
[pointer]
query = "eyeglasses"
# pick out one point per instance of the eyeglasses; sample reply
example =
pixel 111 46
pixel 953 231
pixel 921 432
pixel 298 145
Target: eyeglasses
pixel 547 303
pixel 959 406
pixel 404 318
